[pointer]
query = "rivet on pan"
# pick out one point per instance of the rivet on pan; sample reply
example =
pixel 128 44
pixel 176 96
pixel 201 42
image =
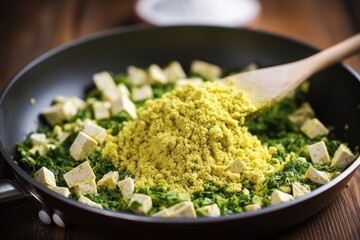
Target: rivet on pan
pixel 58 221
pixel 44 217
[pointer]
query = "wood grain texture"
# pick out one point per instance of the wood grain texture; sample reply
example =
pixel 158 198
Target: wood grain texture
pixel 30 28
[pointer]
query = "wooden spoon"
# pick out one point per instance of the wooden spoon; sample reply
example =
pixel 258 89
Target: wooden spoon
pixel 268 85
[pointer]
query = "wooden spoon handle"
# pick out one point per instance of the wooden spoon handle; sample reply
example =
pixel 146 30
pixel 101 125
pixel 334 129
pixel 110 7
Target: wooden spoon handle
pixel 333 54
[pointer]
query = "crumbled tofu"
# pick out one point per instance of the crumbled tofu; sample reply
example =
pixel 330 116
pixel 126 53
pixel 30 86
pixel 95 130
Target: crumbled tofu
pixel 343 157
pixel 94 131
pixel 81 173
pixel 137 75
pixel 106 85
pixel 252 207
pixel 87 201
pixel 206 70
pixel 60 190
pixel 299 189
pixel 123 103
pixel 123 90
pixel 280 197
pixel 82 146
pixel 88 187
pixel 157 75
pixel 74 126
pixel 54 114
pixel 300 115
pixel 41 149
pixel 194 81
pixel 313 128
pixel 142 202
pixel 237 166
pixel 109 180
pixel 45 177
pixel 316 176
pixel 319 153
pixel 127 187
pixel 212 210
pixel 101 110
pixel 32 101
pixel 183 210
pixel 142 93
pixel 38 139
pixel 174 71
pixel 164 213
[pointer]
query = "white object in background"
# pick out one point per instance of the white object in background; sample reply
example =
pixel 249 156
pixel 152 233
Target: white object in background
pixel 229 13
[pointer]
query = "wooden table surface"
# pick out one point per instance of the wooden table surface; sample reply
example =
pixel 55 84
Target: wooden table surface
pixel 29 28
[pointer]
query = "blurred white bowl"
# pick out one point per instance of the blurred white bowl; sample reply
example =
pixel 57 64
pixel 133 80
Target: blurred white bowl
pixel 229 13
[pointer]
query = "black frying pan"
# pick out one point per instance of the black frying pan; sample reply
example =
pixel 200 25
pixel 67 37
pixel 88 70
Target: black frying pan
pixel 67 70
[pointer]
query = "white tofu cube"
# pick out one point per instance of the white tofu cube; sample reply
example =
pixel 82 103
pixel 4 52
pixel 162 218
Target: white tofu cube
pixel 280 197
pixel 103 81
pixel 101 110
pixel 38 139
pixel 183 210
pixel 237 166
pixel 106 85
pixel 157 75
pixel 313 128
pixel 127 187
pixel 54 114
pixel 137 75
pixel 94 131
pixel 110 94
pixel 142 203
pixel 142 93
pixel 60 99
pixel 164 213
pixel 69 109
pixel 62 136
pixel 45 177
pixel 300 115
pixel 252 207
pixel 123 90
pixel 194 81
pixel 123 103
pixel 206 70
pixel 299 189
pixel 88 187
pixel 77 102
pixel 174 71
pixel 343 157
pixel 317 176
pixel 82 146
pixel 81 173
pixel 212 210
pixel 109 180
pixel 87 201
pixel 60 190
pixel 319 153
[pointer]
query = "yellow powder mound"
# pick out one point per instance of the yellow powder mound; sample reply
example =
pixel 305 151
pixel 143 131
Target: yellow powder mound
pixel 191 136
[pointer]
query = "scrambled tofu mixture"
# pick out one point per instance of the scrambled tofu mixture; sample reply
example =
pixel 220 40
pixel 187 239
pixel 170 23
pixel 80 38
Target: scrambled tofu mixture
pixel 162 143
pixel 190 136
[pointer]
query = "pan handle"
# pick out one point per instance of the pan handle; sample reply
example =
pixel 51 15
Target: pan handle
pixel 11 192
